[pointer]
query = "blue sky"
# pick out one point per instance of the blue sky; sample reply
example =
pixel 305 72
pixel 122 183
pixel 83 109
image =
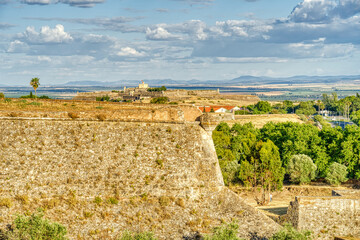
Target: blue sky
pixel 111 40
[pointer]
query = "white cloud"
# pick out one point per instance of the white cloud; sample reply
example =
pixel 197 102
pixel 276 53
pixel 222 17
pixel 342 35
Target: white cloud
pixel 46 35
pixel 44 59
pixel 324 10
pixel 159 33
pixel 17 47
pixel 193 2
pixel 74 3
pixel 37 2
pixel 82 3
pixel 130 52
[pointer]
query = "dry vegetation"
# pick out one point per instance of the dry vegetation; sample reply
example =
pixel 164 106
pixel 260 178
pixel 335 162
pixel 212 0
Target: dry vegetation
pixel 260 120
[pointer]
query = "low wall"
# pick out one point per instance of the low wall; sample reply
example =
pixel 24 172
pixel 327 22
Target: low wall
pixel 326 217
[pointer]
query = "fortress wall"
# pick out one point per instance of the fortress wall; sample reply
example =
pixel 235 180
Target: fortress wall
pixel 158 177
pixel 116 112
pixel 187 93
pixel 326 217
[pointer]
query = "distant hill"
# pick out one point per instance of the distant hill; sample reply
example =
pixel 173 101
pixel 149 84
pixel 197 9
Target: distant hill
pixel 239 81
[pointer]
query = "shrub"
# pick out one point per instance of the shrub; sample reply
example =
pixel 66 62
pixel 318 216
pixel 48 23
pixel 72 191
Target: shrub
pixel 301 169
pixel 113 200
pixel 2 95
pixel 44 97
pixel 73 115
pixel 29 96
pixel 158 89
pixel 35 104
pixel 336 174
pixel 98 200
pixel 35 227
pixel 224 232
pixel 103 98
pixel 290 233
pixel 101 117
pixel 5 202
pixel 159 100
pixel 137 236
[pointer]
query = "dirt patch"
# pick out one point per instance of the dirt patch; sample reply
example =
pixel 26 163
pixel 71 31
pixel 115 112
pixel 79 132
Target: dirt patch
pixel 281 199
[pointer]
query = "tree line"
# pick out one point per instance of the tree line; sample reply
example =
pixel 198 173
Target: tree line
pixel 264 157
pixel 349 107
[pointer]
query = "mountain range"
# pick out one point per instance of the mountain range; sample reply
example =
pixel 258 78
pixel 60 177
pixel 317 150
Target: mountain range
pixel 240 81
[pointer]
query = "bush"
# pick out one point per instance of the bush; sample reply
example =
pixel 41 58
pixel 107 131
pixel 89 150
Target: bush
pixel 158 89
pixel 101 117
pixel 28 96
pixel 137 236
pixel 35 227
pixel 103 98
pixel 224 232
pixel 44 97
pixel 290 233
pixel 2 95
pixel 336 174
pixel 73 115
pixel 159 100
pixel 301 169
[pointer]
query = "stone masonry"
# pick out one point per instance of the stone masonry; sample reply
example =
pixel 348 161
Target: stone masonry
pixel 326 217
pixel 99 178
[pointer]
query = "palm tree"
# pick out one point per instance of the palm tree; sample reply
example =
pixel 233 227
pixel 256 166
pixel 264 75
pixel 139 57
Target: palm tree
pixel 35 83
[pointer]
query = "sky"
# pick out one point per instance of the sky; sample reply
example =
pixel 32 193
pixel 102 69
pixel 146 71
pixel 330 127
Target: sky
pixel 112 40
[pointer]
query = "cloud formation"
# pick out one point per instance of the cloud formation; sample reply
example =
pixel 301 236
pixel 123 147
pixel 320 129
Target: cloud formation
pixel 46 35
pixel 74 3
pixel 159 33
pixel 324 10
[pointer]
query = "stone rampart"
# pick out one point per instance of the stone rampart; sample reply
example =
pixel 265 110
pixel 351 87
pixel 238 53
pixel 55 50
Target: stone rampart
pixel 99 178
pixel 326 217
pixel 181 93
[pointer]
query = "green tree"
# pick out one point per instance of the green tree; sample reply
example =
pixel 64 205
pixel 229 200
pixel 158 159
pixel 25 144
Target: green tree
pixel 262 171
pixel 355 117
pixel 301 169
pixel 306 108
pixel 35 83
pixel 336 174
pixel 331 140
pixel 350 150
pixel 262 107
pixel 2 95
pixel 295 138
pixel 222 142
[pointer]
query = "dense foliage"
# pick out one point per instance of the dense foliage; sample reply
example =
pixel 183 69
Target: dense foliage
pixel 239 148
pixel 301 169
pixel 336 174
